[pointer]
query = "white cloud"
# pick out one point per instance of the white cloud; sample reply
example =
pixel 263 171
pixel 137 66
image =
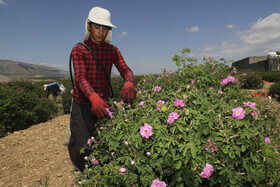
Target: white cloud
pixel 230 26
pixel 193 29
pixel 2 2
pixel 263 36
pixel 210 48
pixel 124 33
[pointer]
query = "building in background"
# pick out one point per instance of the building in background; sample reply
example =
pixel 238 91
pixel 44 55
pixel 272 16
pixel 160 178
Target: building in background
pixel 271 62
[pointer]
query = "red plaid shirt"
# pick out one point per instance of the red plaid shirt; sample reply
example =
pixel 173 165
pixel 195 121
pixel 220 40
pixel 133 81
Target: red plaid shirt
pixel 89 76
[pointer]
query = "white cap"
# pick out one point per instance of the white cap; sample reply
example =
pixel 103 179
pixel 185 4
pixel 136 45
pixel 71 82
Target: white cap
pixel 100 16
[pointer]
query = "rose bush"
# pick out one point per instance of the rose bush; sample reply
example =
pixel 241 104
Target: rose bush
pixel 192 128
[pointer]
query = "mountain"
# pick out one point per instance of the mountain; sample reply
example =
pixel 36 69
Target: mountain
pixel 9 68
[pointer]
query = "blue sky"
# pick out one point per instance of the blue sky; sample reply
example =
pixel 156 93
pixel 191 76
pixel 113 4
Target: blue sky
pixel 148 33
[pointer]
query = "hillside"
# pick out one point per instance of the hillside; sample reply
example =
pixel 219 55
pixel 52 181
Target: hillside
pixel 9 68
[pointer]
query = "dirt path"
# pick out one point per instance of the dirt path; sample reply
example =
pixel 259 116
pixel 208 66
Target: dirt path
pixel 28 157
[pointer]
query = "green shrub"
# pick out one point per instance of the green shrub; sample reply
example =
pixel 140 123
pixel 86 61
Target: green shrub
pixel 27 86
pixel 208 130
pixel 271 76
pixel 67 95
pixel 250 80
pixel 20 108
pixel 274 91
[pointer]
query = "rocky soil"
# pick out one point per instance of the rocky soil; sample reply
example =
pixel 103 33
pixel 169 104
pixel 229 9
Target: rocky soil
pixel 37 155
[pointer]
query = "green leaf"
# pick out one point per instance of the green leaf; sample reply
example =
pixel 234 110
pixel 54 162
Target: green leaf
pixel 243 148
pixel 193 151
pixel 163 108
pixel 187 112
pixel 180 127
pixel 178 164
pixel 231 153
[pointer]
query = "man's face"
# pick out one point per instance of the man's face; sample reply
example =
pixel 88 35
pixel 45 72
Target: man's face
pixel 97 32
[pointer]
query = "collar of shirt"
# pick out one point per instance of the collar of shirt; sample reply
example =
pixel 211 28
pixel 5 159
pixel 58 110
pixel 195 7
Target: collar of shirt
pixel 89 42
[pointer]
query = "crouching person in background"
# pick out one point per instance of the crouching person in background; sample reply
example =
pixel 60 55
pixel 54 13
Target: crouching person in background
pixel 55 88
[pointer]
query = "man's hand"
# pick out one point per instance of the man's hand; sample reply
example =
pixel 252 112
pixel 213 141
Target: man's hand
pixel 98 106
pixel 128 92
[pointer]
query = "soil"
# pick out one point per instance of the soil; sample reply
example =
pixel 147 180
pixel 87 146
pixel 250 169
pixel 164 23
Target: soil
pixel 38 155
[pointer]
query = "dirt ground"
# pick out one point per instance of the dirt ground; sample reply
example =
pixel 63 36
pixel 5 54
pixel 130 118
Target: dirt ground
pixel 34 156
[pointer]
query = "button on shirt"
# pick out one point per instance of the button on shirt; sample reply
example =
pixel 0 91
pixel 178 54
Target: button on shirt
pixel 89 76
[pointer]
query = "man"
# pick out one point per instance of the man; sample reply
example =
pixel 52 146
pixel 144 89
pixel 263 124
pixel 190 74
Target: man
pixel 55 88
pixel 91 89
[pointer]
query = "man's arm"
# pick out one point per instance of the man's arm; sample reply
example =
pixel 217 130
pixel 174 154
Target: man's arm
pixel 128 93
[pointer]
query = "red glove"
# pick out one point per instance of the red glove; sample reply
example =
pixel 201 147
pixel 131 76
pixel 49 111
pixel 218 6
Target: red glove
pixel 98 106
pixel 128 92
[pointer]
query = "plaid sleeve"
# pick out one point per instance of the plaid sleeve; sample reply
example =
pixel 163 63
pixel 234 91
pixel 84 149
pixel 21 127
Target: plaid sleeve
pixel 80 66
pixel 122 67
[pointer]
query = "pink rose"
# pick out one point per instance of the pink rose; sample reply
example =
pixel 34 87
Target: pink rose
pixel 238 113
pixel 146 131
pixel 267 140
pixel 157 183
pixel 159 105
pixel 213 146
pixel 207 171
pixel 142 103
pixel 157 88
pixel 122 170
pixel 94 161
pixel 250 104
pixel 172 117
pixel 179 102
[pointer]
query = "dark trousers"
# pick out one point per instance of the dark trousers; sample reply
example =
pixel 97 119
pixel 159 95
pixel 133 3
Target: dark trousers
pixel 82 126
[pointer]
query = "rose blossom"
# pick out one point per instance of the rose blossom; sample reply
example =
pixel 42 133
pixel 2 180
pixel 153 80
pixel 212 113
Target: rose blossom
pixel 267 140
pixel 157 183
pixel 157 88
pixel 250 104
pixel 254 113
pixel 110 113
pixel 141 103
pixel 159 104
pixel 172 117
pixel 122 170
pixel 213 146
pixel 227 80
pixel 132 162
pixel 207 171
pixel 94 161
pixel 238 113
pixel 146 131
pixel 179 102
pixel 90 140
